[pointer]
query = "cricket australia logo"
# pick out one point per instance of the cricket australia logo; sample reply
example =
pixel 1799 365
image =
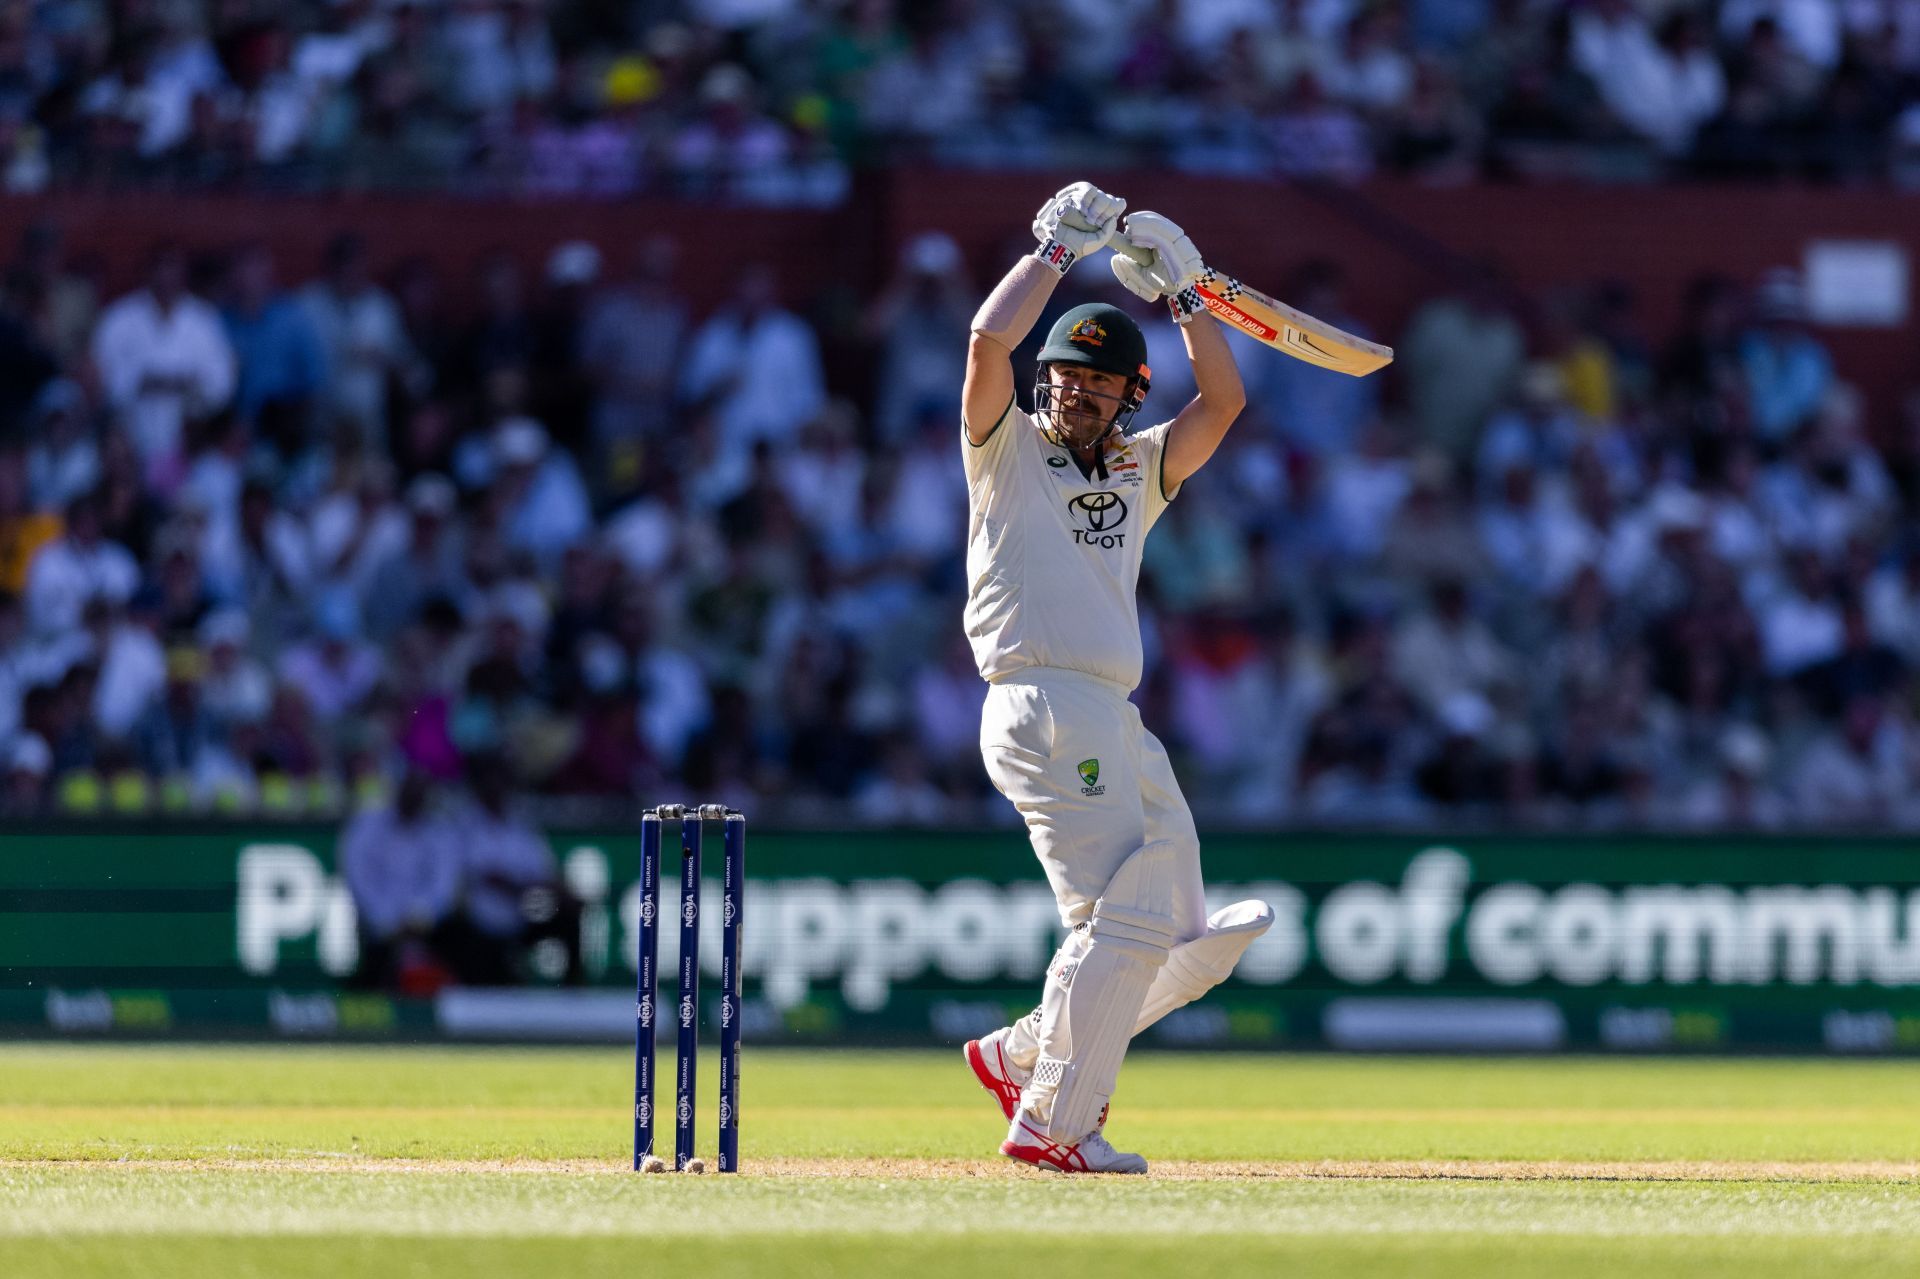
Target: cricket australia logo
pixel 1098 514
pixel 1090 777
pixel 1087 332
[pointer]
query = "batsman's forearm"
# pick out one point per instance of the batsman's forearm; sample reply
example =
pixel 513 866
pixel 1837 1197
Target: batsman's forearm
pixel 1014 306
pixel 1215 375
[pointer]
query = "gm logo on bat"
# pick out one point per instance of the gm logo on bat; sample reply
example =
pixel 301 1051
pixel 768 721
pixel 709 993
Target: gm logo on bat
pixel 1099 513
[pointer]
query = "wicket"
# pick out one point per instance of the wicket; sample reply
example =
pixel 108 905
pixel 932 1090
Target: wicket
pixel 690 821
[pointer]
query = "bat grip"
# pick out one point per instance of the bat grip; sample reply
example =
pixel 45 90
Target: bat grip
pixel 1119 243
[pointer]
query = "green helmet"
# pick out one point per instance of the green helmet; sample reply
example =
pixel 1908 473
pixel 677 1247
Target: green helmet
pixel 1100 336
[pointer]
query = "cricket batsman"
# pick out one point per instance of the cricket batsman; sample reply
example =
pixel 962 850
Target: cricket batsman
pixel 1059 504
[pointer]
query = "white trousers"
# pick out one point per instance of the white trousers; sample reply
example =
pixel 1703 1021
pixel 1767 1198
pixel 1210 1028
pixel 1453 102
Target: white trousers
pixel 1092 784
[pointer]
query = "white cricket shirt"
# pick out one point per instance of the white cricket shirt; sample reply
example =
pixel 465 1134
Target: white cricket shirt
pixel 1053 555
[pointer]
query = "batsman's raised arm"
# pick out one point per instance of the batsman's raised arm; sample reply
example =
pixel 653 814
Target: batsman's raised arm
pixel 1200 426
pixel 1010 311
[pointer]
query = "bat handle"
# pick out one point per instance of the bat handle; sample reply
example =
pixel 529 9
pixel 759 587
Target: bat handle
pixel 1119 244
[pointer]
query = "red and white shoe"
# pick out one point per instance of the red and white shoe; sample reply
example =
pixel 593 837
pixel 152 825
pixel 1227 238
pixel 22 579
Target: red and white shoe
pixel 1092 1153
pixel 996 1073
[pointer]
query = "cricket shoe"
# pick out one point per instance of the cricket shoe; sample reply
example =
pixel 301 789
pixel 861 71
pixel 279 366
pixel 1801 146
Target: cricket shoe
pixel 1092 1153
pixel 996 1071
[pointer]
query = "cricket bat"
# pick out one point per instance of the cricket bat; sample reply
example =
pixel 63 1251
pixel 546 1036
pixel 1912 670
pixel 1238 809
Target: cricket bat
pixel 1275 323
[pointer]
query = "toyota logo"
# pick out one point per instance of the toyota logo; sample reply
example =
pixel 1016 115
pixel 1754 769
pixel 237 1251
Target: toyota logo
pixel 1099 511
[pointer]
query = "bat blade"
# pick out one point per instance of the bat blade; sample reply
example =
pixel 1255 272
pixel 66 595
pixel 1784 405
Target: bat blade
pixel 1289 331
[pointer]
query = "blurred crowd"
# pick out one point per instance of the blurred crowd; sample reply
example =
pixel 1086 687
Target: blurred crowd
pixel 779 101
pixel 268 547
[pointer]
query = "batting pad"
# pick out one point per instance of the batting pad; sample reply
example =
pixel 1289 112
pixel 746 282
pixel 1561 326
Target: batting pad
pixel 1195 967
pixel 1094 993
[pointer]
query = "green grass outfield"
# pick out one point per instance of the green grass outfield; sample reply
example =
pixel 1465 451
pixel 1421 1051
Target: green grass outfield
pixel 222 1161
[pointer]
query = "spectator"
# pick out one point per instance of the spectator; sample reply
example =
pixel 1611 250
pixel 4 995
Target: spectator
pixel 513 894
pixel 1444 651
pixel 722 152
pixel 898 793
pixel 1461 356
pixel 501 338
pixel 1430 536
pixel 1314 136
pixel 164 362
pixel 676 702
pixel 176 733
pixel 760 363
pixel 128 663
pixel 1810 26
pixel 1892 602
pixel 1372 71
pixel 1531 536
pixel 1366 790
pixel 827 472
pixel 280 362
pixel 537 490
pixel 362 339
pixel 270 570
pixel 23 530
pixel 1704 367
pixel 1663 85
pixel 497 54
pixel 559 392
pixel 403 866
pixel 63 461
pixel 355 523
pixel 630 349
pixel 919 322
pixel 152 99
pixel 1436 135
pixel 429 566
pixel 1853 775
pixel 1462 773
pixel 1863 669
pixel 235 689
pixel 1738 796
pixel 1802 625
pixel 1788 372
pixel 75 569
pixel 1535 430
pixel 27 366
pixel 334 670
pixel 29 765
pixel 1364 488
